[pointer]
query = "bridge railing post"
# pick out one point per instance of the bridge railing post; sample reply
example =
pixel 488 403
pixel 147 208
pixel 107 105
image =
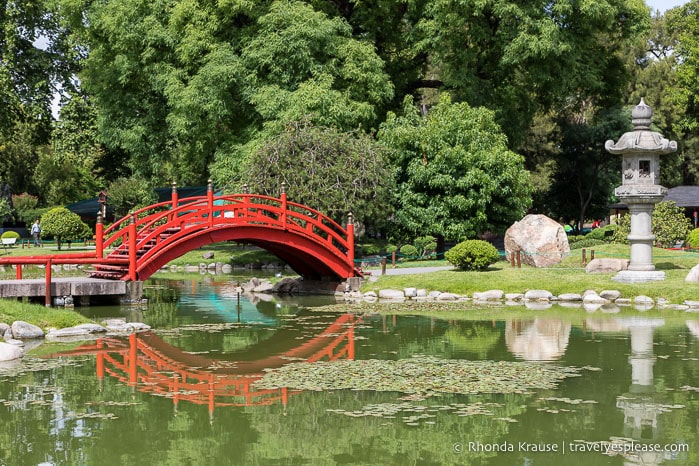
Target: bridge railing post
pixel 99 236
pixel 132 247
pixel 175 199
pixel 350 240
pixel 47 294
pixel 284 204
pixel 210 200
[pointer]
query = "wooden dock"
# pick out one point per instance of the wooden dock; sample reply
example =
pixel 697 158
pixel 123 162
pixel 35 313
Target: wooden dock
pixel 82 289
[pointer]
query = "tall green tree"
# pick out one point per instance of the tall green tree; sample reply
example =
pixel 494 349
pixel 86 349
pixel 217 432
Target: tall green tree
pixel 334 172
pixel 181 84
pixel 684 22
pixel 456 178
pixel 527 57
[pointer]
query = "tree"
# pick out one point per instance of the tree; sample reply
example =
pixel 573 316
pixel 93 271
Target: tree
pixel 331 171
pixel 585 174
pixel 527 57
pixel 456 178
pixel 61 224
pixel 685 22
pixel 76 167
pixel 179 85
pixel 127 194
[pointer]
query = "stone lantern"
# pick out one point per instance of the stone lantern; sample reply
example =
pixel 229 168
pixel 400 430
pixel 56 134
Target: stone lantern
pixel 640 190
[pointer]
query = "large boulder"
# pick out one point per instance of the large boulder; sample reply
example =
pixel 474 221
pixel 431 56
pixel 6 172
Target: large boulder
pixel 607 265
pixel 25 331
pixel 540 239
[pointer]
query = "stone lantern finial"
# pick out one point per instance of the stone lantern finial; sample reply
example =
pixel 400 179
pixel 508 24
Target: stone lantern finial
pixel 640 116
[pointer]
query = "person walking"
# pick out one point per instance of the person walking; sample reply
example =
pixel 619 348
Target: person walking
pixel 36 231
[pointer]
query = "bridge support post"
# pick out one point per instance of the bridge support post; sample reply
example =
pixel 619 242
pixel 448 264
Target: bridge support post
pixel 47 294
pixel 283 198
pixel 99 236
pixel 175 199
pixel 210 201
pixel 350 241
pixel 132 247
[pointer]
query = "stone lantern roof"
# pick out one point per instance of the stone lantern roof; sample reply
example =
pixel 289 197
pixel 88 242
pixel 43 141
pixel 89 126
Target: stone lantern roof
pixel 641 139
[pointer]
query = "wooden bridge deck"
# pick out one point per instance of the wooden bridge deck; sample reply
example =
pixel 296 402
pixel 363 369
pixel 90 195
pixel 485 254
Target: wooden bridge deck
pixel 63 286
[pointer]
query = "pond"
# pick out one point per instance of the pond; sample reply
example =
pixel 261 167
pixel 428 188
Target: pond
pixel 222 379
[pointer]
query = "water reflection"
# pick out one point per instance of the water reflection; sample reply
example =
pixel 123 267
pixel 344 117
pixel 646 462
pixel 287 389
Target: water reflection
pixel 184 393
pixel 151 365
pixel 537 340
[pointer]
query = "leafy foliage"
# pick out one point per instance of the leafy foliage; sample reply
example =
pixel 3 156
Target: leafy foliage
pixel 474 254
pixel 61 224
pixel 586 243
pixel 409 252
pixel 455 177
pixel 126 194
pixel 693 239
pixel 334 172
pixel 425 244
pixel 25 206
pixel 5 209
pixel 670 225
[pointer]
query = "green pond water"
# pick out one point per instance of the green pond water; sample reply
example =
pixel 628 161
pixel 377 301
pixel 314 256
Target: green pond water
pixel 196 390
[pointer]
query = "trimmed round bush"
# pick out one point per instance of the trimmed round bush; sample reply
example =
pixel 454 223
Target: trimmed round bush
pixel 473 254
pixel 10 234
pixel 409 252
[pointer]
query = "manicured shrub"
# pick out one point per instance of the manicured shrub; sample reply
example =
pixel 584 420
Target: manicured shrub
pixel 474 254
pixel 391 248
pixel 62 224
pixel 425 245
pixel 409 252
pixel 586 243
pixel 10 234
pixel 605 233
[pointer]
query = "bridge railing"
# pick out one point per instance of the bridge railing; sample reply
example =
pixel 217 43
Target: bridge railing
pixel 170 222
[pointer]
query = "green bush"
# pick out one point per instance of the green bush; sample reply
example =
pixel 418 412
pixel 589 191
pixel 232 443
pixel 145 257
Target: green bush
pixel 586 243
pixel 409 252
pixel 604 234
pixel 391 248
pixel 425 245
pixel 10 234
pixel 693 239
pixel 670 225
pixel 474 254
pixel 25 206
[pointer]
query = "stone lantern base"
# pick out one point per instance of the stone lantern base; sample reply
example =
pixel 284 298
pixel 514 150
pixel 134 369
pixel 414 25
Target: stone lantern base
pixel 639 276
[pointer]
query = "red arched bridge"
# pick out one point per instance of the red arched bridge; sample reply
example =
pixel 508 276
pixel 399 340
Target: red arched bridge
pixel 136 246
pixel 154 366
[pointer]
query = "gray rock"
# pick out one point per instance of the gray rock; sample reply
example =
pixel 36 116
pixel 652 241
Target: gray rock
pixel 92 328
pixel 693 275
pixel 514 297
pixel 447 297
pixel 610 294
pixel 4 328
pixel 421 293
pixel 410 292
pixel 594 298
pixel 391 294
pixel 607 265
pixel 10 352
pixel 208 255
pixel 490 295
pixel 569 297
pixel 264 287
pixel 24 330
pixel 370 294
pixel 538 295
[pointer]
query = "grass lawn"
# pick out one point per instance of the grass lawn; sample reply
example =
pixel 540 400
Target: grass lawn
pixel 567 277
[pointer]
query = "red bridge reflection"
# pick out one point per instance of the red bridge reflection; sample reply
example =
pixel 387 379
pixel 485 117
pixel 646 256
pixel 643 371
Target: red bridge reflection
pixel 151 365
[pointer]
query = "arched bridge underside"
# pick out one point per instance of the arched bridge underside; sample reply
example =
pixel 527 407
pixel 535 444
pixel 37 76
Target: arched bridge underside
pixel 311 243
